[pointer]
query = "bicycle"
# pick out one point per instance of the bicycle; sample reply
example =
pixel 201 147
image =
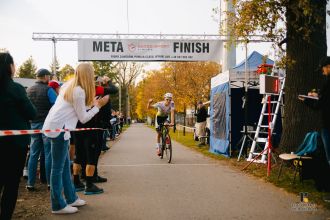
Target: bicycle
pixel 166 143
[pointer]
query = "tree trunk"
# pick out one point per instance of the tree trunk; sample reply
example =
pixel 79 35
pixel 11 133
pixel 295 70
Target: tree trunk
pixel 120 87
pixel 302 74
pixel 124 101
pixel 128 107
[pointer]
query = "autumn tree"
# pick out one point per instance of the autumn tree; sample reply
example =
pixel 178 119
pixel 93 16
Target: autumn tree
pixel 133 101
pixel 302 25
pixel 140 108
pixel 126 74
pixel 65 72
pixel 152 86
pixel 105 68
pixel 27 69
pixel 188 81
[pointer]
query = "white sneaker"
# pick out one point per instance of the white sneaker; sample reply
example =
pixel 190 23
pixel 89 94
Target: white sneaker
pixel 66 210
pixel 25 173
pixel 78 203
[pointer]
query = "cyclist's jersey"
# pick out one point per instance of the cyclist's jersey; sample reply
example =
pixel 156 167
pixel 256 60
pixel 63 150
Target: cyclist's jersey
pixel 163 110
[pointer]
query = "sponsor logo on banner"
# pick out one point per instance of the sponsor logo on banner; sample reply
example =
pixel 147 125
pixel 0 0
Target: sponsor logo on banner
pixel 131 47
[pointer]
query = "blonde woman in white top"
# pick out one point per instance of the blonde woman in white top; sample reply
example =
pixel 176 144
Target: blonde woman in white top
pixel 75 97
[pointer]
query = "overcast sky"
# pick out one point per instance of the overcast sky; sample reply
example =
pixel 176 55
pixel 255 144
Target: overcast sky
pixel 20 18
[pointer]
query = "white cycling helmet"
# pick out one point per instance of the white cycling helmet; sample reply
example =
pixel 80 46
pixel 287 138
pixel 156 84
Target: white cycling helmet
pixel 168 96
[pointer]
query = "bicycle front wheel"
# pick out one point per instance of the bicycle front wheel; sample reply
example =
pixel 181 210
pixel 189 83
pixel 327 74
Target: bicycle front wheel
pixel 168 148
pixel 162 147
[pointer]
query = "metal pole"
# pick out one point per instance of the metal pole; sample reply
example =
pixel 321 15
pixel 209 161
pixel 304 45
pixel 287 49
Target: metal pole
pixel 127 17
pixel 54 57
pixel 245 106
pixel 246 73
pixel 246 97
pixel 184 120
pixel 269 149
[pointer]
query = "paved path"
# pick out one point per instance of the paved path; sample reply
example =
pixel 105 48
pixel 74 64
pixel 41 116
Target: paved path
pixel 194 187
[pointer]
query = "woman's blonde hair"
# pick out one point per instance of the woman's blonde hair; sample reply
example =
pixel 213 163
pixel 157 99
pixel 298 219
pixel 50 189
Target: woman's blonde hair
pixel 83 77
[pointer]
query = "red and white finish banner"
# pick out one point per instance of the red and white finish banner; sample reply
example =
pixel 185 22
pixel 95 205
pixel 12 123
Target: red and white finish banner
pixel 24 132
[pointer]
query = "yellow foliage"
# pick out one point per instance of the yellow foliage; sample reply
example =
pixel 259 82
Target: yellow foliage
pixel 188 81
pixel 68 77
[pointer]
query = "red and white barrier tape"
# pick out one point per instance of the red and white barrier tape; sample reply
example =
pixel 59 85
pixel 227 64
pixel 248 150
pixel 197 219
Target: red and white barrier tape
pixel 23 132
pixel 192 128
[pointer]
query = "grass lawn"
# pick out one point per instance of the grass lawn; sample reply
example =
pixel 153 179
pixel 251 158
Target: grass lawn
pixel 124 128
pixel 258 170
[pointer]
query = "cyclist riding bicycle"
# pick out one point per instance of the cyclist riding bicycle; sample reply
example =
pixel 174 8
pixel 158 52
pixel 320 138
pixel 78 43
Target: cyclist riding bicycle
pixel 164 109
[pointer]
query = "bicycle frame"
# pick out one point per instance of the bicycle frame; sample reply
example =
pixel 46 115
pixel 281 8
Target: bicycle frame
pixel 164 131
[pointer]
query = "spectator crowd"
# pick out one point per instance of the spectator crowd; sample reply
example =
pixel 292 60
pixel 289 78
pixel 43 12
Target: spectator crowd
pixel 65 158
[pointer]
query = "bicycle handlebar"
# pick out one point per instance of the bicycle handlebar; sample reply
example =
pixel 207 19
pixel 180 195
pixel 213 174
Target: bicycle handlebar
pixel 167 125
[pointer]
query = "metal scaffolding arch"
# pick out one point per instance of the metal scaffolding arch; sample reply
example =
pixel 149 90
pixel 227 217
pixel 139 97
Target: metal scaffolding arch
pixel 55 37
pixel 77 36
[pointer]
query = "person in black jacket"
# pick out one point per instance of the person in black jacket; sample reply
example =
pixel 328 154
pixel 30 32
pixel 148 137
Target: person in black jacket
pixel 105 113
pixel 323 104
pixel 88 146
pixel 104 117
pixel 200 125
pixel 15 112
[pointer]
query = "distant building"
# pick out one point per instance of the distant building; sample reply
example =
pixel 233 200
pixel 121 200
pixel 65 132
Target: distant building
pixel 25 81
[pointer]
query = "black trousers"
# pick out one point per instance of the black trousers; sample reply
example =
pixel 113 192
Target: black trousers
pixel 97 153
pixel 12 160
pixel 86 151
pixel 98 150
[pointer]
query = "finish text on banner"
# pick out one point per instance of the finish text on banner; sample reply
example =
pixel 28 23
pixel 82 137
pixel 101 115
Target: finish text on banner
pixel 149 50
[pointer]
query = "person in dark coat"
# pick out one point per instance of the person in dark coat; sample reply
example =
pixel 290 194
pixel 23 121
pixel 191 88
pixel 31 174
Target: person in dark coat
pixel 15 112
pixel 200 125
pixel 89 146
pixel 104 122
pixel 322 103
pixel 43 97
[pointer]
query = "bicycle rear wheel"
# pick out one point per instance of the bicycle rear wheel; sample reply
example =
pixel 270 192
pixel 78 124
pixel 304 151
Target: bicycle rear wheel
pixel 168 148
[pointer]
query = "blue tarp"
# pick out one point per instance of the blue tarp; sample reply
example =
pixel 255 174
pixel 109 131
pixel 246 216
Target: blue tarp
pixel 220 108
pixel 220 119
pixel 254 60
pixel 221 105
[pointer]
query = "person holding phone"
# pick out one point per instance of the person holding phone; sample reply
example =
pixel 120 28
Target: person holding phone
pixel 322 103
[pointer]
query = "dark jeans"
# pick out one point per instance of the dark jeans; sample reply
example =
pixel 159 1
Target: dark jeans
pixel 113 132
pixel 325 135
pixel 60 177
pixel 40 145
pixel 12 160
pixel 104 139
pixel 43 178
